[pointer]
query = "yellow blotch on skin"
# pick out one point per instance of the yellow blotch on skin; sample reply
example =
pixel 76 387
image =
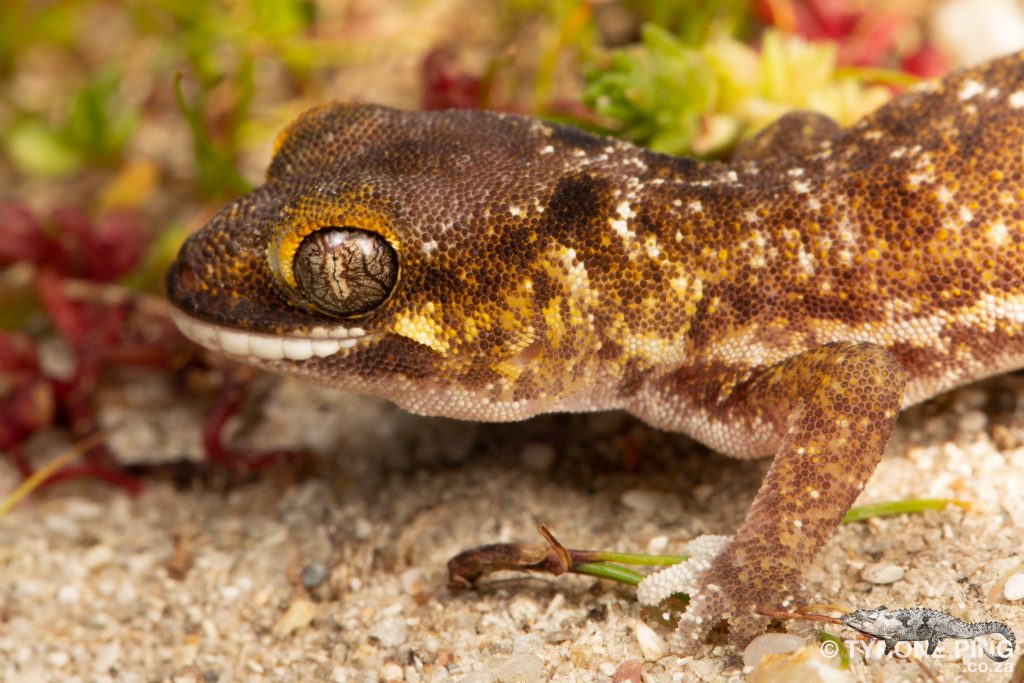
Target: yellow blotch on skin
pixel 424 328
pixel 553 322
pixel 510 370
pixel 474 324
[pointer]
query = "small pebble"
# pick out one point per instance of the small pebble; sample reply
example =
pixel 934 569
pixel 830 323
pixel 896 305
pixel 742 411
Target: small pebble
pixel 972 422
pixel 58 659
pixel 478 677
pixel 412 584
pixel 630 671
pixel 84 510
pixel 107 657
pixel 68 594
pixel 556 636
pixel 314 574
pixel 538 456
pixel 518 669
pixel 644 501
pixel 657 545
pixel 707 670
pixel 392 672
pixel 770 644
pixel 298 615
pixel 652 645
pixel 98 556
pixel 882 574
pixel 1013 589
pixel 363 529
pixel 390 631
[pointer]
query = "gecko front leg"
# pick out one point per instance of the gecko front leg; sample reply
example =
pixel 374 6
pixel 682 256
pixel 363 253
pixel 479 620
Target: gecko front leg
pixel 833 408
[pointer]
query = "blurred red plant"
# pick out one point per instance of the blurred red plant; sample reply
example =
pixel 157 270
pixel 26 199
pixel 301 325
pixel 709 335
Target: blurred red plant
pixel 447 86
pixel 74 262
pixel 864 37
pixel 66 254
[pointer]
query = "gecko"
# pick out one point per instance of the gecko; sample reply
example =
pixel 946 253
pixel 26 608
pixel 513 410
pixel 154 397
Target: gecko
pixel 788 302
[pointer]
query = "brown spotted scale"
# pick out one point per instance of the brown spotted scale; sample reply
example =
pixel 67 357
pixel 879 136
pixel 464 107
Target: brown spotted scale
pixel 788 303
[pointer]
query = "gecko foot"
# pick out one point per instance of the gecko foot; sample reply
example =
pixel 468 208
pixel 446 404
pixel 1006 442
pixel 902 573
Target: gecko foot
pixel 718 593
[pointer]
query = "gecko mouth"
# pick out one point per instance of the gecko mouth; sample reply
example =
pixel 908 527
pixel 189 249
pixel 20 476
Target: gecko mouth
pixel 321 342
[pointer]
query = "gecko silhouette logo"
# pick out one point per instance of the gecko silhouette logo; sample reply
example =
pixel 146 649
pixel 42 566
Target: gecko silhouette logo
pixel 917 624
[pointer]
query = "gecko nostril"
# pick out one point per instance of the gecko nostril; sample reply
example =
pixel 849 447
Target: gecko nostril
pixel 183 282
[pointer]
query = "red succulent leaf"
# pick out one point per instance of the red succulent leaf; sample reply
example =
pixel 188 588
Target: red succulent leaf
pixel 115 245
pixel 873 40
pixel 71 228
pixel 89 328
pixel 926 62
pixel 830 19
pixel 446 86
pixel 27 403
pixel 22 238
pixel 103 250
pixel 17 353
pixel 863 38
pixel 31 404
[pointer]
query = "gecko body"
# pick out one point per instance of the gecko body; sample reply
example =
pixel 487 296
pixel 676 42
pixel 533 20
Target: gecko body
pixel 789 303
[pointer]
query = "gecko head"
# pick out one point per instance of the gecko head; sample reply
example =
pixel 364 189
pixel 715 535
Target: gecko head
pixel 393 253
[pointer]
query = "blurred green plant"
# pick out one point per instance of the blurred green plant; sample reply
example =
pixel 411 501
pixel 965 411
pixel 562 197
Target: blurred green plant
pixel 683 99
pixel 693 21
pixel 216 162
pixel 221 44
pixel 566 31
pixel 656 94
pixel 96 129
pixel 691 85
pixel 224 43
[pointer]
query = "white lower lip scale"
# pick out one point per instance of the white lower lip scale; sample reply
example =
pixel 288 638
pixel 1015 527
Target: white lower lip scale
pixel 264 346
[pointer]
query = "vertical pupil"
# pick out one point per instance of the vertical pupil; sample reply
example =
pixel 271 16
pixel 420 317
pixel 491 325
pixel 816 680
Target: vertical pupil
pixel 345 270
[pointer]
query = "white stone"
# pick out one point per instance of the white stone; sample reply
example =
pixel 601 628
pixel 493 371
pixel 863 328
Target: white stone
pixel 770 644
pixel 390 631
pixel 972 422
pixel 973 31
pixel 392 672
pixel 1013 589
pixel 298 615
pixel 98 556
pixel 882 574
pixel 411 581
pixel 652 646
pixel 522 668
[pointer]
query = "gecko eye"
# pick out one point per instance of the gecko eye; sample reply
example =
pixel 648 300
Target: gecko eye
pixel 345 271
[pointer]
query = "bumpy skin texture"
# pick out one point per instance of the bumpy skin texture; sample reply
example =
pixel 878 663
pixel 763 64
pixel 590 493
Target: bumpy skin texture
pixel 787 303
